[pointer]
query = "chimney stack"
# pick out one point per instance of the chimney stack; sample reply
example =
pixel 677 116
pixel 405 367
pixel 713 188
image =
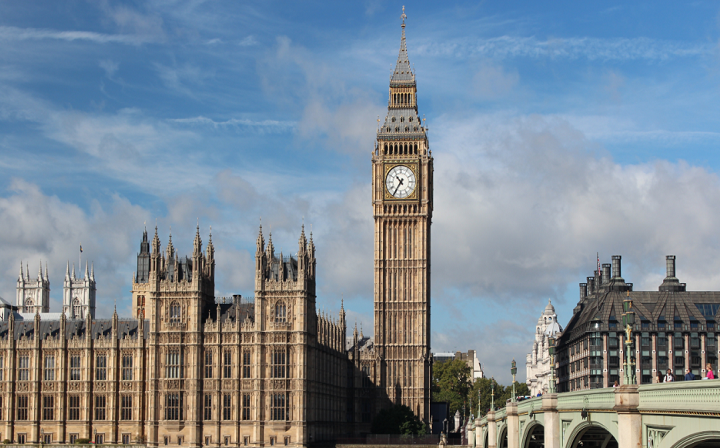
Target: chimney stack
pixel 616 273
pixel 671 283
pixel 583 291
pixel 605 273
pixel 670 266
pixel 590 285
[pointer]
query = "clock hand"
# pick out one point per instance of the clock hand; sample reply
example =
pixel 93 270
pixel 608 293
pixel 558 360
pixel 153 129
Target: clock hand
pixel 396 189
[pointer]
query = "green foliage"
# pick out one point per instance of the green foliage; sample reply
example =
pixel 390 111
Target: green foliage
pixel 451 382
pixel 6 441
pixel 398 419
pixel 82 441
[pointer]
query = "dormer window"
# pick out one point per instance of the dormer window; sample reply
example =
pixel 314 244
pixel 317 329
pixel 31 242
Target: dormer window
pixel 402 119
pixel 410 119
pixel 393 119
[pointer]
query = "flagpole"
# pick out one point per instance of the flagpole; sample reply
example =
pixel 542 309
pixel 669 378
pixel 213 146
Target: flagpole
pixel 80 259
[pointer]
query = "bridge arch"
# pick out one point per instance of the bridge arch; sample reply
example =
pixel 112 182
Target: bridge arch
pixel 485 438
pixel 703 439
pixel 591 434
pixel 502 438
pixel 533 435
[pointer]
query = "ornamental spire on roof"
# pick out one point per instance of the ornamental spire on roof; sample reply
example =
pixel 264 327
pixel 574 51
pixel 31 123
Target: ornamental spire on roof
pixel 402 73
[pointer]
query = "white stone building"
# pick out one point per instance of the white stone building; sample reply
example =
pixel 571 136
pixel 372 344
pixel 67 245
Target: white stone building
pixel 538 360
pixel 33 295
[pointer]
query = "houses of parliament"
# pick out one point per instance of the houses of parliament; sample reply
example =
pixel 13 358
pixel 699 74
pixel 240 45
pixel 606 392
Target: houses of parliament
pixel 191 369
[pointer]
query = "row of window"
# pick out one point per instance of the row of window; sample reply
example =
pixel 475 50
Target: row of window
pixel 23 368
pixel 173 366
pixel 173 407
pixel 48 407
pixel 47 438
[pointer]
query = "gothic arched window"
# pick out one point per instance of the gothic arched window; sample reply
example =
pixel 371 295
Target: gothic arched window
pixel 174 312
pixel 280 313
pixel 77 309
pixel 28 305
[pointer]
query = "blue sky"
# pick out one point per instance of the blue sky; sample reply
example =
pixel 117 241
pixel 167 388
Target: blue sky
pixel 559 130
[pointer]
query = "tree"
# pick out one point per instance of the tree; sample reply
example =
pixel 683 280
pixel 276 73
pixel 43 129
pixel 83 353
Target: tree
pixel 502 394
pixel 451 382
pixel 398 419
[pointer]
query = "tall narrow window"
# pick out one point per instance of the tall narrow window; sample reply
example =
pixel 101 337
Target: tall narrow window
pixel 1 408
pixel 246 364
pixel 49 374
pixel 74 407
pixel 77 309
pixel 172 365
pixel 100 403
pixel 208 363
pixel 126 407
pixel 175 313
pixel 246 407
pixel 2 368
pixel 280 313
pixel 24 368
pixel 100 367
pixel 278 364
pixel 227 407
pixel 227 364
pixel 127 367
pixel 173 406
pixel 277 408
pixel 74 368
pixel 48 411
pixel 22 407
pixel 207 411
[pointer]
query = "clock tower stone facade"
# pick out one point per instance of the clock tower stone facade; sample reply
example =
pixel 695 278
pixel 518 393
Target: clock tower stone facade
pixel 402 200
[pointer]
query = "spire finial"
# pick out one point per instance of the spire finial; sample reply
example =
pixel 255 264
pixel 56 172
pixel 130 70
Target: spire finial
pixel 403 17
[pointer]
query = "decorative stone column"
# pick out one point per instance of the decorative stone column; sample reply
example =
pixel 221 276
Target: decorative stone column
pixel 513 425
pixel 627 400
pixel 552 421
pixel 492 430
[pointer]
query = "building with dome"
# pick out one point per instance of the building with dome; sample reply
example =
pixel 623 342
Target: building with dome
pixel 538 360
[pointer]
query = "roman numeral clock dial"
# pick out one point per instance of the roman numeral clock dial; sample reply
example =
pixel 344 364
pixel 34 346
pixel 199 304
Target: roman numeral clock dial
pixel 400 182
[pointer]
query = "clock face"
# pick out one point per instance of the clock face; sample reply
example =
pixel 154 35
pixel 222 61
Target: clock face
pixel 400 182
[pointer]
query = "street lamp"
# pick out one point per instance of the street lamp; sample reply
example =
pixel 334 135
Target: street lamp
pixel 513 370
pixel 551 352
pixel 492 393
pixel 479 408
pixel 628 321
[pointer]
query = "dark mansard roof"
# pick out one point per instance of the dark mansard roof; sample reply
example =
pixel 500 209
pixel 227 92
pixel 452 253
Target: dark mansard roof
pixel 51 329
pixel 650 307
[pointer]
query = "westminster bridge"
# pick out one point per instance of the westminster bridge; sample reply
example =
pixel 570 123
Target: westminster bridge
pixel 670 415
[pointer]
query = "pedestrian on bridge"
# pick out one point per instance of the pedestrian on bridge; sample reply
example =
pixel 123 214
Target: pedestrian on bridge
pixel 709 375
pixel 669 377
pixel 689 375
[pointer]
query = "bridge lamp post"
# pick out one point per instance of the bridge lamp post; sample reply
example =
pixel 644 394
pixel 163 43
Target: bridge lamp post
pixel 513 370
pixel 492 393
pixel 551 352
pixel 628 322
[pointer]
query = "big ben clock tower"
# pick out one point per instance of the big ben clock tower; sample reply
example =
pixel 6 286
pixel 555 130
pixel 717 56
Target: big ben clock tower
pixel 402 199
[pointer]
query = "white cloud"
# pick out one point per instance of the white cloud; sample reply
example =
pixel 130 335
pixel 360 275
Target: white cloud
pixel 622 49
pixel 492 81
pixel 40 227
pixel 264 126
pixel 248 41
pixel 12 33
